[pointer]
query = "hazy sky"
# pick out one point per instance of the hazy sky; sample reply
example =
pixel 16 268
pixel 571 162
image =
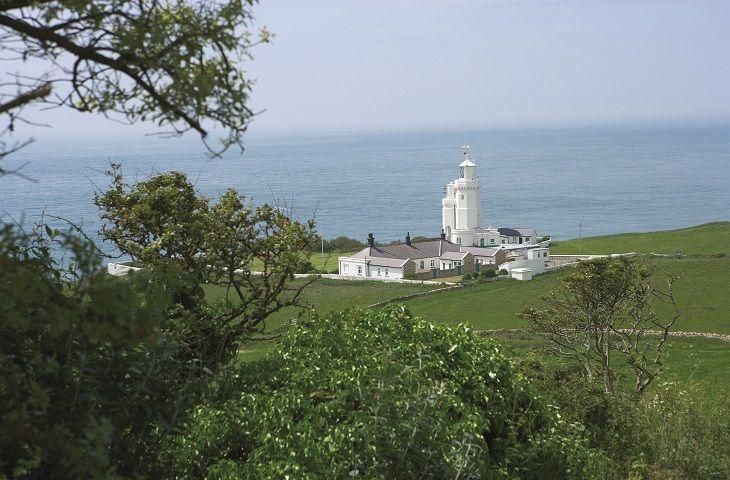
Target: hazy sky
pixel 450 64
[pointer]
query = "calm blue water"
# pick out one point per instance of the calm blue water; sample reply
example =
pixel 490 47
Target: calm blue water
pixel 609 179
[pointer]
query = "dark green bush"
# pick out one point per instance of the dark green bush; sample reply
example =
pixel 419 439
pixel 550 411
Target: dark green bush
pixel 489 273
pixel 503 271
pixel 671 433
pixel 379 394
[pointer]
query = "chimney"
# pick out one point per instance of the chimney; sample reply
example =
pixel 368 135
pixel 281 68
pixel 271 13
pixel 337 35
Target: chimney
pixel 408 238
pixel 443 234
pixel 371 240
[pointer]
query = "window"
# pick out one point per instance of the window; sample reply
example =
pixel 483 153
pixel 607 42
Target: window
pixel 458 240
pixel 527 239
pixel 421 265
pixel 386 271
pixel 462 197
pixel 433 262
pixel 359 270
pixel 492 240
pixel 503 240
pixel 378 271
pixel 481 242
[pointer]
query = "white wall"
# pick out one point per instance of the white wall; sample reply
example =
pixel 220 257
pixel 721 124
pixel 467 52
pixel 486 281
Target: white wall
pixel 359 268
pixel 537 265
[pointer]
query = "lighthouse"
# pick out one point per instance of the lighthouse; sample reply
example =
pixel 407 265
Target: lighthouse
pixel 461 205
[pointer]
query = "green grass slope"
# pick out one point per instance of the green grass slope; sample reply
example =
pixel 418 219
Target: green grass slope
pixel 703 295
pixel 710 238
pixel 328 295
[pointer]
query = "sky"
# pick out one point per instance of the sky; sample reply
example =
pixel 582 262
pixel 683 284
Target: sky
pixel 377 65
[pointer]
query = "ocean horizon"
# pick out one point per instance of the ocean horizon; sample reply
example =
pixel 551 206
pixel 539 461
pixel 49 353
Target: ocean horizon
pixel 563 181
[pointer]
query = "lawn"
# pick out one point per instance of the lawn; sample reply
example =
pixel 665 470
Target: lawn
pixel 708 238
pixel 328 295
pixel 703 295
pixel 328 261
pixel 687 361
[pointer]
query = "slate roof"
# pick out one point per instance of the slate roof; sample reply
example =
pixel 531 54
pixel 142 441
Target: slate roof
pixel 509 232
pixel 416 250
pixel 480 251
pixel 526 232
pixel 454 255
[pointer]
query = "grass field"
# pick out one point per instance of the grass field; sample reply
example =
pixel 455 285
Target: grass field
pixel 332 295
pixel 703 295
pixel 708 238
pixel 328 261
pixel 688 360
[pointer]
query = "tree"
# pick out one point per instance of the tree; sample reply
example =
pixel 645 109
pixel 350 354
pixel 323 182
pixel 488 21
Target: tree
pixel 379 394
pixel 176 63
pixel 249 252
pixel 87 375
pixel 604 310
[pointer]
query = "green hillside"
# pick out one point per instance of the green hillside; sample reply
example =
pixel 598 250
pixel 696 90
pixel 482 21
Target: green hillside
pixel 703 296
pixel 709 238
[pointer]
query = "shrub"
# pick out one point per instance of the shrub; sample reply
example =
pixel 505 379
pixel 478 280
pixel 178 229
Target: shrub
pixel 86 373
pixel 489 273
pixel 380 394
pixel 466 277
pixel 503 271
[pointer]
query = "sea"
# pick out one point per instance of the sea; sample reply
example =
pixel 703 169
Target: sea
pixel 564 182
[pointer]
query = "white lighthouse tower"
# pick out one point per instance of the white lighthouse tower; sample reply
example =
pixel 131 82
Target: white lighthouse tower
pixel 462 203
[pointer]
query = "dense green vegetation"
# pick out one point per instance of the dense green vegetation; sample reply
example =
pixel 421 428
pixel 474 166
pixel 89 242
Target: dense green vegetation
pixel 709 238
pixel 381 395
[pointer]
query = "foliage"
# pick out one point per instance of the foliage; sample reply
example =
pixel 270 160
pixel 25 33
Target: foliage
pixel 675 432
pixel 603 310
pixel 502 271
pixel 86 373
pixel 178 64
pixel 380 395
pixel 163 224
pixel 488 273
pixel 339 244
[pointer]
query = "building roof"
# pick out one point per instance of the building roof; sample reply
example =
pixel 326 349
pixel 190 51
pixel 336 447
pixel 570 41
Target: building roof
pixel 416 250
pixel 509 232
pixel 467 163
pixel 485 230
pixel 481 251
pixel 454 255
pixel 387 262
pixel 526 231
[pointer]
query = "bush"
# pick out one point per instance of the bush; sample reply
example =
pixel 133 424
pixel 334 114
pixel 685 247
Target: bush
pixel 466 277
pixel 503 271
pixel 340 244
pixel 379 394
pixel 672 433
pixel 489 273
pixel 86 373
